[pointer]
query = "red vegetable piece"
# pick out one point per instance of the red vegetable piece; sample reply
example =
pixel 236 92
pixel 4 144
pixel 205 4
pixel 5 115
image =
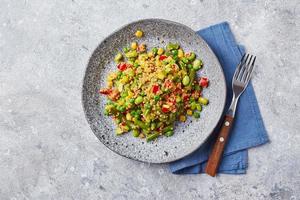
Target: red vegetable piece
pixel 122 66
pixel 105 91
pixel 162 57
pixel 164 109
pixel 203 82
pixel 155 89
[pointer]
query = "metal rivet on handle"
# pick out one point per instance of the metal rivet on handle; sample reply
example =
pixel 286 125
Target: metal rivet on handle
pixel 227 123
pixel 221 139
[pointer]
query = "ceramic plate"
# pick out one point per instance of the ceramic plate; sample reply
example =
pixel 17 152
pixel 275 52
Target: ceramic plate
pixel 187 136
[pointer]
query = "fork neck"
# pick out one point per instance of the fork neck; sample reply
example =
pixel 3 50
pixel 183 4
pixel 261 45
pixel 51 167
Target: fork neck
pixel 232 107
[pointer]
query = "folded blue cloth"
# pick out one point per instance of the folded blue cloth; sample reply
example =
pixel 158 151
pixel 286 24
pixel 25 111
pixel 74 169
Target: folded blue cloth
pixel 248 130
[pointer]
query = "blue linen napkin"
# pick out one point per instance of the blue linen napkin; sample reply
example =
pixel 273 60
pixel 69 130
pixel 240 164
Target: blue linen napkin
pixel 248 130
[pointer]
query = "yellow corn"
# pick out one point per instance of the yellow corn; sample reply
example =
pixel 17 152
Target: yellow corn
pixel 189 112
pixel 180 53
pixel 128 116
pixel 182 118
pixel 161 75
pixel 139 33
pixel 134 45
pixel 160 51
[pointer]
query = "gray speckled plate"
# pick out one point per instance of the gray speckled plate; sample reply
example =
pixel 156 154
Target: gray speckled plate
pixel 188 136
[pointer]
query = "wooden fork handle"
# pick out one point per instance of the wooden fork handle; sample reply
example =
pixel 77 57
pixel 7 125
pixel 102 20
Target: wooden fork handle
pixel 218 149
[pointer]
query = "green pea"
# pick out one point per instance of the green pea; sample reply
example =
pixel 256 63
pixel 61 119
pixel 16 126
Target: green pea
pixel 190 66
pixel 138 100
pixel 186 80
pixel 156 97
pixel 196 114
pixel 203 101
pixel 135 133
pixel 131 100
pixel 136 65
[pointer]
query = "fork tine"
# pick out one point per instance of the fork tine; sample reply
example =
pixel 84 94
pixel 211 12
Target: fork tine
pixel 243 68
pixel 237 71
pixel 247 68
pixel 250 71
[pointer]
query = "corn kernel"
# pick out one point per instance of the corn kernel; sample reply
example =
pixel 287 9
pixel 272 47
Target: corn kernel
pixel 160 51
pixel 139 33
pixel 134 45
pixel 128 116
pixel 182 118
pixel 189 112
pixel 180 53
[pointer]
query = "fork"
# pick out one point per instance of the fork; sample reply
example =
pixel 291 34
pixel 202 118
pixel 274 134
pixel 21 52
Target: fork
pixel 240 80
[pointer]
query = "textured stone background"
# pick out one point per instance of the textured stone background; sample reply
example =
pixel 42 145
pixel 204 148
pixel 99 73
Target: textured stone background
pixel 47 150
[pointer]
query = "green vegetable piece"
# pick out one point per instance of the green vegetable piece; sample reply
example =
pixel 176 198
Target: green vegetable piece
pixel 154 50
pixel 185 60
pixel 138 100
pixel 197 64
pixel 140 124
pixel 203 101
pixel 106 112
pixel 131 54
pixel 131 100
pixel 156 97
pixel 147 106
pixel 118 57
pixel 192 76
pixel 125 49
pixel 152 137
pixel 193 106
pixel 153 126
pixel 199 107
pixel 186 80
pixel 191 57
pixel 136 65
pixel 168 128
pixel 190 66
pixel 135 133
pixel 172 46
pixel 196 115
pixel 169 133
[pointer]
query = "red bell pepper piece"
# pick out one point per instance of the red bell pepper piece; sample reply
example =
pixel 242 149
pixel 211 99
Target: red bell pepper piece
pixel 162 57
pixel 122 66
pixel 203 82
pixel 155 89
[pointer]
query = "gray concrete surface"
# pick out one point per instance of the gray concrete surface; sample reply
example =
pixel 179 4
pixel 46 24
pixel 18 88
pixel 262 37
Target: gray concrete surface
pixel 47 150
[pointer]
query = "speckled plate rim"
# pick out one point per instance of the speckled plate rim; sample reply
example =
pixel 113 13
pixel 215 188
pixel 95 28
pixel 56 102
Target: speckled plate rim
pixel 211 52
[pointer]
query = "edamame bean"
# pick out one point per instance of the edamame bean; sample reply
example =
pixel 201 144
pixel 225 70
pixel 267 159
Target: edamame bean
pixel 203 101
pixel 197 64
pixel 135 133
pixel 186 80
pixel 169 133
pixel 138 100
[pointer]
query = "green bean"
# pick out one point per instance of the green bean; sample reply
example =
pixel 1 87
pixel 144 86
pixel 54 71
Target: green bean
pixel 168 128
pixel 169 133
pixel 192 76
pixel 152 137
pixel 140 124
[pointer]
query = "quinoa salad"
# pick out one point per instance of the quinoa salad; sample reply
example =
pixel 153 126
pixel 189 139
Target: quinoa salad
pixel 152 89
